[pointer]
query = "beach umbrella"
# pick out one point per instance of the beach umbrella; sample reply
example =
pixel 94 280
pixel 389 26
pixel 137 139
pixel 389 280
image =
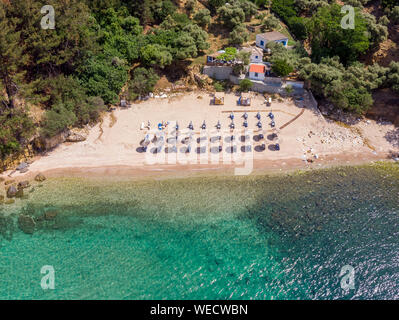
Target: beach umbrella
pixel 203 125
pixel 258 116
pixel 273 124
pixel 177 126
pixel 190 126
pixel 218 125
pixel 245 124
pixel 232 116
pixel 232 126
pixel 259 124
pixel 159 126
pixel 245 115
pixel 277 147
pixel 271 115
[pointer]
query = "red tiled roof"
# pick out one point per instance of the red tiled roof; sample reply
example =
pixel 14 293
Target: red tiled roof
pixel 259 68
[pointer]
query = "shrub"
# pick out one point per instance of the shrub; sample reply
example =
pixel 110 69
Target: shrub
pixel 282 68
pixel 239 35
pixel 245 85
pixel 142 82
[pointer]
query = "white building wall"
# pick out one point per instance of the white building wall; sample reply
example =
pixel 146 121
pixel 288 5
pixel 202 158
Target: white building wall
pixel 259 40
pixel 256 58
pixel 259 76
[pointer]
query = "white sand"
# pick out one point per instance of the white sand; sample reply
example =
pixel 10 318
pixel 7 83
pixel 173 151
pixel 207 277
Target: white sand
pixel 310 136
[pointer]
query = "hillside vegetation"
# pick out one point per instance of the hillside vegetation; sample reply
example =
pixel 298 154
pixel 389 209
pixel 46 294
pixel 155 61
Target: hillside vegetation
pixel 52 80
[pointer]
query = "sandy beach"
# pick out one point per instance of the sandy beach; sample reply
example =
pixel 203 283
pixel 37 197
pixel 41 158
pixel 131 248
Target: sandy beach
pixel 305 137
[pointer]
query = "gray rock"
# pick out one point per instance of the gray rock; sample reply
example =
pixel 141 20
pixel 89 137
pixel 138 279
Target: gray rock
pixel 50 215
pixel 26 224
pixel 76 137
pixel 40 177
pixel 11 192
pixel 22 165
pixel 23 184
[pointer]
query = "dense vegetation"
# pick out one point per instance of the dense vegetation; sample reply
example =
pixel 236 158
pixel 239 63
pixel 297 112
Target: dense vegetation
pixel 73 71
pixel 102 50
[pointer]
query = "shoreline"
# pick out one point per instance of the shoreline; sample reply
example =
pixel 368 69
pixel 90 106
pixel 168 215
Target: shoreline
pixel 179 171
pixel 308 141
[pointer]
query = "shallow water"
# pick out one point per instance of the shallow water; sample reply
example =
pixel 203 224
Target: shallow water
pixel 257 237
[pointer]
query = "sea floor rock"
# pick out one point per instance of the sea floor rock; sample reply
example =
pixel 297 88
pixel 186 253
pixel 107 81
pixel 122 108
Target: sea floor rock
pixel 20 193
pixel 12 192
pixel 50 215
pixel 40 177
pixel 26 224
pixel 23 184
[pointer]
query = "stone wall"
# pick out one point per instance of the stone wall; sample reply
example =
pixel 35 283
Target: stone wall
pixel 218 72
pixel 265 87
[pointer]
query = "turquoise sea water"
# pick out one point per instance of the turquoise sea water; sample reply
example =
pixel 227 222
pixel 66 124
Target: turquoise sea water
pixel 256 237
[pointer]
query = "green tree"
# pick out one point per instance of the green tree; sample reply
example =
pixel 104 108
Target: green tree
pixel 328 38
pixel 215 4
pixel 389 3
pixel 348 89
pixel 231 16
pixel 156 55
pixel 203 17
pixel 393 76
pixel 142 82
pixel 395 15
pixel 61 50
pixel 270 23
pixel 282 68
pixel 104 75
pixel 244 56
pixel 378 32
pixel 229 54
pixel 239 35
pixel 190 6
pixel 15 130
pixel 11 57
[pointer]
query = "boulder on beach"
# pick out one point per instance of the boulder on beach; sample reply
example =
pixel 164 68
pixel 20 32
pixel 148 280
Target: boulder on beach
pixel 20 193
pixel 23 184
pixel 22 166
pixel 26 224
pixel 40 177
pixel 12 192
pixel 77 135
